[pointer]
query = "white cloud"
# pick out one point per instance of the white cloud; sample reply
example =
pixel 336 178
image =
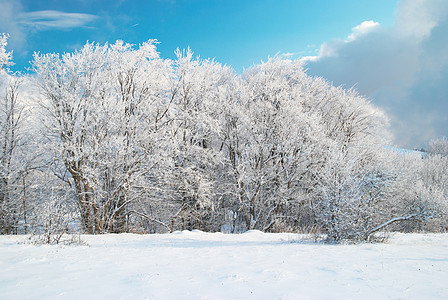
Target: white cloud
pixel 331 48
pixel 362 29
pixel 416 18
pixel 8 22
pixel 290 55
pixel 403 68
pixel 51 19
pixel 19 23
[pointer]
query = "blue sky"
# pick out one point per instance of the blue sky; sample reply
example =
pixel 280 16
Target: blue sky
pixel 392 51
pixel 237 33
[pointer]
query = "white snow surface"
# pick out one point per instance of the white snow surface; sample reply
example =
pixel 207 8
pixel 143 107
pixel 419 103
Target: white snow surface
pixel 198 265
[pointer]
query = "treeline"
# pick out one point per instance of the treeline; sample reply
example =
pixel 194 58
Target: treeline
pixel 113 138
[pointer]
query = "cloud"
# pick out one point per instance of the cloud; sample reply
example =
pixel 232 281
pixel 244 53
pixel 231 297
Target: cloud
pixel 403 68
pixel 362 29
pixel 290 55
pixel 8 23
pixel 51 19
pixel 19 23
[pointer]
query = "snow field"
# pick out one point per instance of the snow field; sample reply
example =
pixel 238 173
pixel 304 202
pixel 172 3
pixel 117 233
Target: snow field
pixel 198 265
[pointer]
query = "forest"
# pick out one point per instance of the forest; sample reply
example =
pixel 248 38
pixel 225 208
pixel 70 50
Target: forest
pixel 114 138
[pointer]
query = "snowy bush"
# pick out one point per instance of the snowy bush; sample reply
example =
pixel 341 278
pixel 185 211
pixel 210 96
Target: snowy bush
pixel 55 222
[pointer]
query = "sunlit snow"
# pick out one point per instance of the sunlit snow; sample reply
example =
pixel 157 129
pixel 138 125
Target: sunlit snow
pixel 198 265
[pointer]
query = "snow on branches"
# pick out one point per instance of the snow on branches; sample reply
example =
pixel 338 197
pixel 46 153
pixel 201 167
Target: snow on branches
pixel 147 144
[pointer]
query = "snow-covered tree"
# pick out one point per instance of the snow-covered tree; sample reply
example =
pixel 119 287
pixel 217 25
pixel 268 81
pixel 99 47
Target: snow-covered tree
pixel 10 135
pixel 5 56
pixel 277 141
pixel 103 119
pixel 154 145
pixel 438 146
pixel 350 184
pixel 304 142
pixel 197 163
pixel 16 154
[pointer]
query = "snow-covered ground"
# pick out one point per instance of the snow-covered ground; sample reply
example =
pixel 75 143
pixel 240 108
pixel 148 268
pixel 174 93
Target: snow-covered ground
pixel 198 265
